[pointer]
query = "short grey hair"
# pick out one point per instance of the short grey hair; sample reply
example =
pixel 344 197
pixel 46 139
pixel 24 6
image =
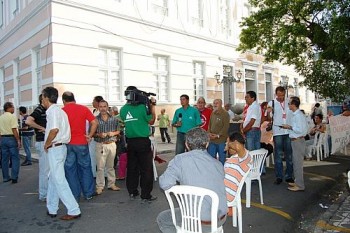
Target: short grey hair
pixel 197 139
pixel 115 109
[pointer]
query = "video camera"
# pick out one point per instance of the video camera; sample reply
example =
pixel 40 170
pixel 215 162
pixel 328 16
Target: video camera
pixel 135 96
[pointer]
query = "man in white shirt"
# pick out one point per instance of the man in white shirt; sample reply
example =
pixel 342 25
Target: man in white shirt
pixel 57 135
pixel 278 108
pixel 251 123
pixel 297 128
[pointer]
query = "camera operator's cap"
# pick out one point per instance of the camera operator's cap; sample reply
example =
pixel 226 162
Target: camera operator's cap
pixel 131 88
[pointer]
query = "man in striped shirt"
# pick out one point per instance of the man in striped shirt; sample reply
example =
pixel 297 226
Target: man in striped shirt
pixel 236 166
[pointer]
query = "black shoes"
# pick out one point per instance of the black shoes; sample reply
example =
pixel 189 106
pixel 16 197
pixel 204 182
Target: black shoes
pixel 14 181
pixel 133 196
pixel 290 180
pixel 26 163
pixel 51 215
pixel 278 181
pixel 149 200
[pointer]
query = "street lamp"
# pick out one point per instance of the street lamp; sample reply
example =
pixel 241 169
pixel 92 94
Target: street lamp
pixel 228 78
pixel 284 83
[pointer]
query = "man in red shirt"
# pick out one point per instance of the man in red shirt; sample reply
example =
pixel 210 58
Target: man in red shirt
pixel 78 164
pixel 204 112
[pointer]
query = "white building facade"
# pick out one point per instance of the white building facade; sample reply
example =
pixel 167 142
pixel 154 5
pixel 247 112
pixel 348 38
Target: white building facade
pixel 168 47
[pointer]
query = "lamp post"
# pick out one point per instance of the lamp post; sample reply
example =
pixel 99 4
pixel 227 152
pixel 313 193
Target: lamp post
pixel 228 78
pixel 284 83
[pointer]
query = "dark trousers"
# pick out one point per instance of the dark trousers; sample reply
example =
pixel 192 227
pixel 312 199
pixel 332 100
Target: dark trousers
pixel 164 133
pixel 140 167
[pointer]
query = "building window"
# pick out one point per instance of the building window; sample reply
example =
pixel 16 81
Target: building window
pixel 160 77
pixel 160 7
pixel 225 17
pixel 198 80
pixel 14 6
pixel 268 86
pixel 109 74
pixel 1 13
pixel 195 9
pixel 38 74
pixel 250 80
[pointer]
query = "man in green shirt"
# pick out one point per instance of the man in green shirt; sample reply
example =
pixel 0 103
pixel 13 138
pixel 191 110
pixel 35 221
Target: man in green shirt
pixel 140 164
pixel 164 122
pixel 185 118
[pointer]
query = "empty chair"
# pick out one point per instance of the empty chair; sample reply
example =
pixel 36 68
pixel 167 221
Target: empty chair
pixel 190 200
pixel 236 205
pixel 258 159
pixel 317 146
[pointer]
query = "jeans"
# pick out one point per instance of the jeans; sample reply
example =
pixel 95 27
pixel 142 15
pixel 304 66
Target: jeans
pixel 9 149
pixel 253 139
pixel 44 170
pixel 180 143
pixel 214 148
pixel 58 186
pixel 283 146
pixel 92 149
pixel 78 171
pixel 140 167
pixel 164 133
pixel 26 141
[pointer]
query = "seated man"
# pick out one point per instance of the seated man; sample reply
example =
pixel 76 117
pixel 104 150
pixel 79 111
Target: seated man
pixel 237 165
pixel 197 168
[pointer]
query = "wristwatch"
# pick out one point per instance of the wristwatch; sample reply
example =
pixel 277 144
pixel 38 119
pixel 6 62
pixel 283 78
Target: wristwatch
pixel 218 136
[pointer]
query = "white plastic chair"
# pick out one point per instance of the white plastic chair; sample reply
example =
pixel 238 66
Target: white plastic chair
pixel 236 205
pixel 317 146
pixel 267 160
pixel 258 159
pixel 325 145
pixel 190 200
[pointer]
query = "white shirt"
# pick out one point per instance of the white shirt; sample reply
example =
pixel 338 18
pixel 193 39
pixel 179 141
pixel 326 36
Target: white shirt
pixel 299 125
pixel 253 112
pixel 279 110
pixel 231 114
pixel 57 119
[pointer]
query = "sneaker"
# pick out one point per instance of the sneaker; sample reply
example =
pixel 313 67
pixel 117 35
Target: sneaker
pixel 114 188
pixel 133 196
pixel 149 200
pixel 26 163
pixel 99 191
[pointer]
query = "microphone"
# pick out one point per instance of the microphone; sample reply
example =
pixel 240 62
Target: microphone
pixel 180 117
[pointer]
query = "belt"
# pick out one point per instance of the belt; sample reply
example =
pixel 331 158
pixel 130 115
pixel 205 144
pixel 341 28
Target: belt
pixel 209 222
pixel 55 145
pixel 7 135
pixel 107 142
pixel 294 139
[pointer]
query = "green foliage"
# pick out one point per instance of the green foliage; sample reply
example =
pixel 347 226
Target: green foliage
pixel 312 35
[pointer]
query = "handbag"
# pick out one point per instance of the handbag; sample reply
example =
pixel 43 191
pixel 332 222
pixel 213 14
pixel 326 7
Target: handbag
pixel 269 126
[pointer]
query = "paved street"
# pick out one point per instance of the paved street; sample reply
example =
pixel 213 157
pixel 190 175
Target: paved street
pixel 284 211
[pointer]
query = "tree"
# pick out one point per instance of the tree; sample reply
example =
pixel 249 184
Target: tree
pixel 312 35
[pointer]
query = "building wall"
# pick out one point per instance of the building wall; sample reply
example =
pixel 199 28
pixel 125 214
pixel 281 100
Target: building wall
pixel 67 38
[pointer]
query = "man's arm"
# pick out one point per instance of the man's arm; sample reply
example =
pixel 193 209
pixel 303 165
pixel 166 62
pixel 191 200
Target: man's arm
pixel 93 128
pixel 52 134
pixel 248 126
pixel 153 112
pixel 171 175
pixel 31 122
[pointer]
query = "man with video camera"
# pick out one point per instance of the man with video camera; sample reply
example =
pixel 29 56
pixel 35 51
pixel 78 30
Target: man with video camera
pixel 138 113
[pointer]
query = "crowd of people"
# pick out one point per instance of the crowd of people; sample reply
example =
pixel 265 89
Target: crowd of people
pixel 78 148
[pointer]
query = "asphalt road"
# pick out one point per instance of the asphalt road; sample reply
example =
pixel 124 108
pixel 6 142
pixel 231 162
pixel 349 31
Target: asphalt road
pixel 283 211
